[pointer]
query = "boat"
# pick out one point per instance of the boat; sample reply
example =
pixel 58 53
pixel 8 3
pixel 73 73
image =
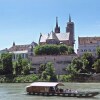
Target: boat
pixel 53 89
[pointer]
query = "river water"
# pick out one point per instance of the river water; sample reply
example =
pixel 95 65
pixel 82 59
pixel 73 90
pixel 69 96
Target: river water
pixel 13 91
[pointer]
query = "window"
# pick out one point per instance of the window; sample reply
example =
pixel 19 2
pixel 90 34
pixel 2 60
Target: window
pixel 89 50
pixel 94 50
pixel 81 50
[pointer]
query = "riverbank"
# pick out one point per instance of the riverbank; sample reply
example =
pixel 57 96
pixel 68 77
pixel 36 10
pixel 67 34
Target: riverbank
pixel 63 78
pixel 18 79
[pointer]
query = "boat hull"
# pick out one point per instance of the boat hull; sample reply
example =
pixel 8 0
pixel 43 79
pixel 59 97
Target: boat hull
pixel 79 95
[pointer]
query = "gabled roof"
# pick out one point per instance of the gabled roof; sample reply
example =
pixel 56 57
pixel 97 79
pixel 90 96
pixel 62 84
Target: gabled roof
pixel 22 47
pixel 52 36
pixel 19 48
pixel 57 36
pixel 43 38
pixel 46 84
pixel 63 36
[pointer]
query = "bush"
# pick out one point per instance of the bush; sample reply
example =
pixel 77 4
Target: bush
pixel 65 78
pixel 25 78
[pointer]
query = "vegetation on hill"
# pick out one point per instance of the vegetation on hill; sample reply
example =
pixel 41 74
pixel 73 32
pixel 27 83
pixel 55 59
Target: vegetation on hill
pixel 52 49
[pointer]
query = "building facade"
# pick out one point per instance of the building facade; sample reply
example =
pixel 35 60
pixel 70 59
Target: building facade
pixel 88 44
pixel 25 51
pixel 57 37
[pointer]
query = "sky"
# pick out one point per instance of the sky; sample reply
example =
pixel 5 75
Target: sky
pixel 22 21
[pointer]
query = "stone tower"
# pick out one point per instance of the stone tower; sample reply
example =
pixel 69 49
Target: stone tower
pixel 57 28
pixel 70 29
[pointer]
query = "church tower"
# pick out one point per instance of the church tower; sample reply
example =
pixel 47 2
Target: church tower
pixel 70 29
pixel 57 28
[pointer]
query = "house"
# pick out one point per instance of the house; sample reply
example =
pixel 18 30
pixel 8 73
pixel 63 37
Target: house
pixel 25 51
pixel 88 44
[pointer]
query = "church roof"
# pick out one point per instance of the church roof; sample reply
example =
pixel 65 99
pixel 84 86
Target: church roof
pixel 52 36
pixel 57 36
pixel 43 38
pixel 63 36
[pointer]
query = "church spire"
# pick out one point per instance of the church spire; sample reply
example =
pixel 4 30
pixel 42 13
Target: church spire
pixel 57 28
pixel 13 43
pixel 56 21
pixel 69 18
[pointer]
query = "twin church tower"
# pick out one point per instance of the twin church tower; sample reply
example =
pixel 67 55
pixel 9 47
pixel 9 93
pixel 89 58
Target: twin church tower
pixel 57 37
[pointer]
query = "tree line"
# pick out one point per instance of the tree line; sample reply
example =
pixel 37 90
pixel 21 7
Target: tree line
pixel 52 49
pixel 18 67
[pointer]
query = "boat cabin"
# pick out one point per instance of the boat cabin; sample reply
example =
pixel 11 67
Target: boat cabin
pixel 40 87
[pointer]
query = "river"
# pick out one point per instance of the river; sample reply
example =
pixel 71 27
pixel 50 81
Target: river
pixel 13 91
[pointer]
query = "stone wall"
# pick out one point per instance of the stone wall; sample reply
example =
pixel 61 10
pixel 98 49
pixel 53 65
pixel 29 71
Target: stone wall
pixel 59 62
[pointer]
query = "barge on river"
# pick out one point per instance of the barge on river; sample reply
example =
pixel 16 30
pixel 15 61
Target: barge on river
pixel 53 89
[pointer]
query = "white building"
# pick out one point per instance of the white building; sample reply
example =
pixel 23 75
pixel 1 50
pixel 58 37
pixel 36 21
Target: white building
pixel 88 44
pixel 25 51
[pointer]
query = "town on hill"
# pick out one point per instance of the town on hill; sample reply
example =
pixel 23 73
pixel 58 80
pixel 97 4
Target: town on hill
pixel 53 58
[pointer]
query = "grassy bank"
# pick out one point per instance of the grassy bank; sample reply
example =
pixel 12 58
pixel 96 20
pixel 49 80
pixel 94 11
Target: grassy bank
pixel 30 78
pixel 33 77
pixel 18 79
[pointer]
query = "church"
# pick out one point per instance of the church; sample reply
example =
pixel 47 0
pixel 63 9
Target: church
pixel 57 37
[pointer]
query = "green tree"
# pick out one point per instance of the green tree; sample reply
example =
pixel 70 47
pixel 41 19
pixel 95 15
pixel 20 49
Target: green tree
pixel 88 60
pixel 42 68
pixel 44 75
pixel 52 49
pixel 85 65
pixel 1 67
pixel 96 66
pixel 98 52
pixel 7 63
pixel 63 49
pixel 70 50
pixel 37 50
pixel 22 66
pixel 77 64
pixel 26 66
pixel 51 71
pixel 18 66
pixel 72 70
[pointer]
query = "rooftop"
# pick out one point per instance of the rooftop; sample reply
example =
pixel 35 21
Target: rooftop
pixel 88 40
pixel 46 84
